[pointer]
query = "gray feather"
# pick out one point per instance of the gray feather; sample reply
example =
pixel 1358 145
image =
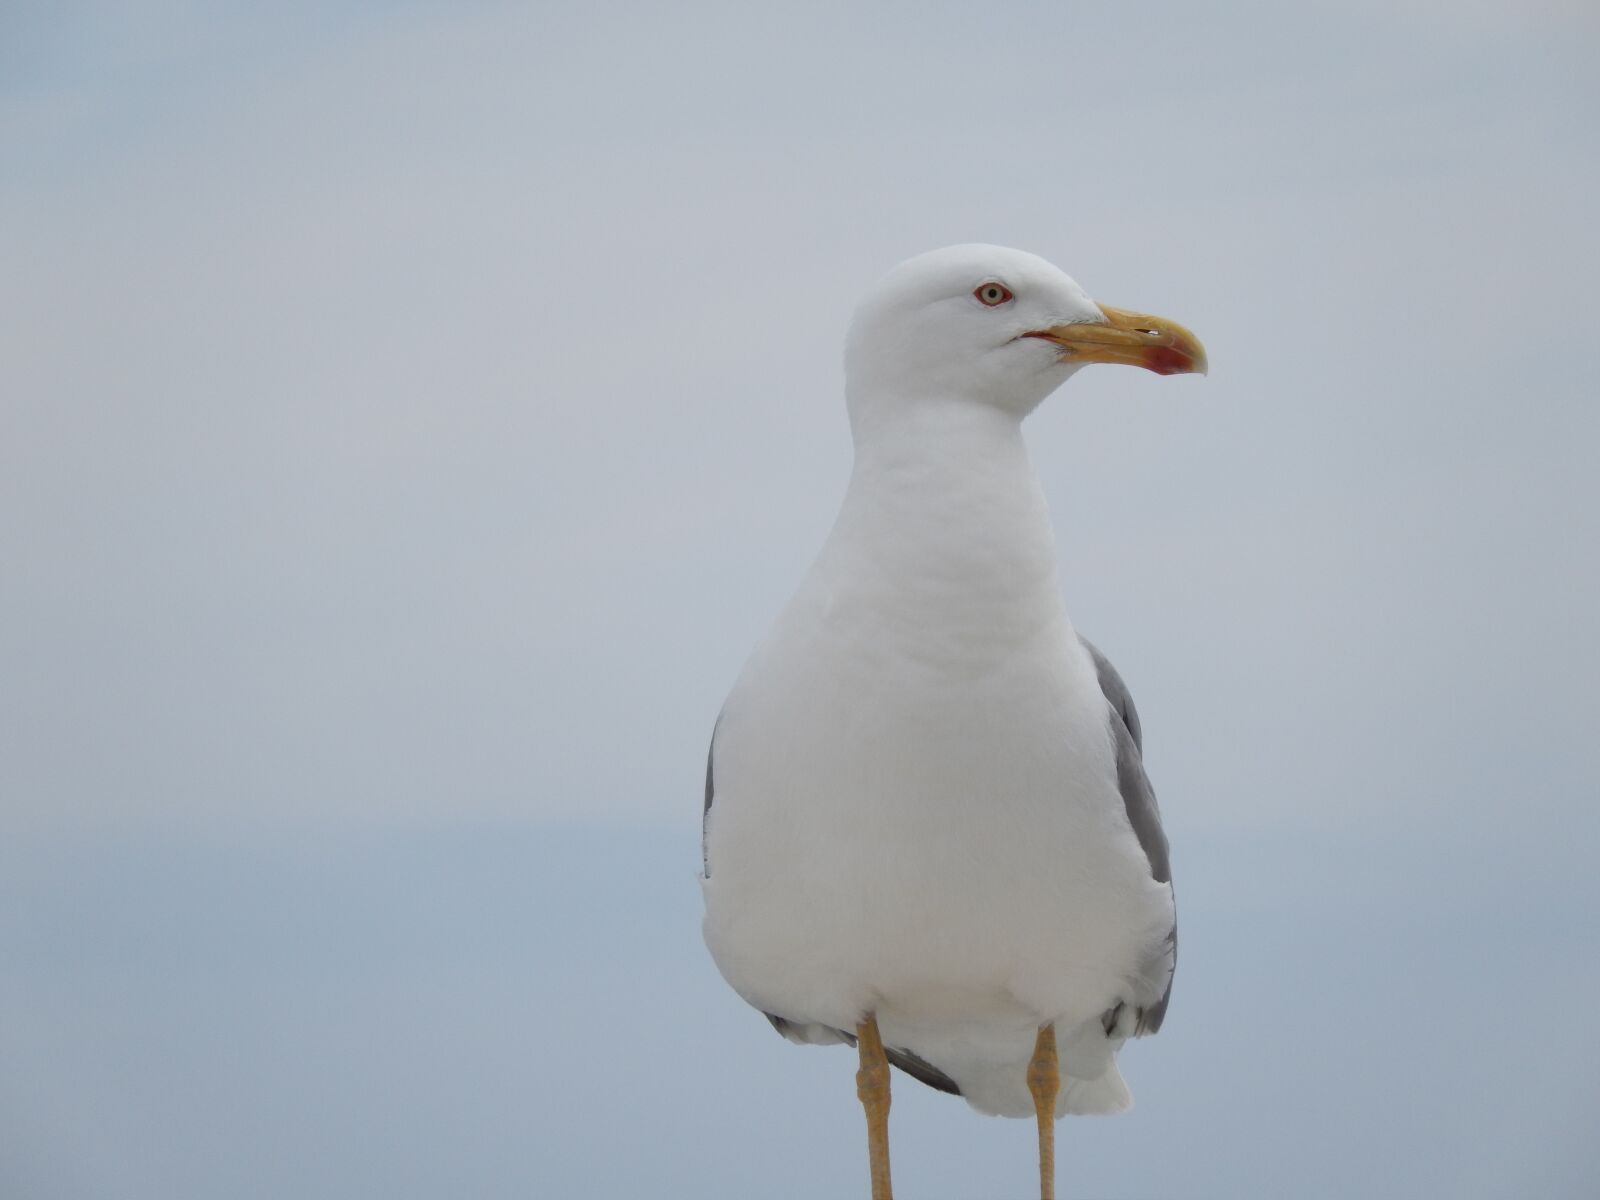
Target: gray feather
pixel 1139 801
pixel 705 814
pixel 1138 797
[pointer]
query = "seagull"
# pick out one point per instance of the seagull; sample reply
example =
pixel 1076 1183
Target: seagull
pixel 928 831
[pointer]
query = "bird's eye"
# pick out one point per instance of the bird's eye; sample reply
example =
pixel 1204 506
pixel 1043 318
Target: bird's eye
pixel 993 293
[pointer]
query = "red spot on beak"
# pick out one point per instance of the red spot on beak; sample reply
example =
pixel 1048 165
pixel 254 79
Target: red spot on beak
pixel 1168 360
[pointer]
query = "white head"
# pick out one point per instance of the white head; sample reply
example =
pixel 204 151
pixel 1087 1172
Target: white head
pixel 994 326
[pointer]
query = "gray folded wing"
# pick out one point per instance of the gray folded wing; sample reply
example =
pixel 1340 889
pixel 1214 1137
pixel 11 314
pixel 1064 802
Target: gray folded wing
pixel 1139 800
pixel 711 791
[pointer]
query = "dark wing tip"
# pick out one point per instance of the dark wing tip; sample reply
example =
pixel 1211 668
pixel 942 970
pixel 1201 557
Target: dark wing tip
pixel 913 1065
pixel 922 1070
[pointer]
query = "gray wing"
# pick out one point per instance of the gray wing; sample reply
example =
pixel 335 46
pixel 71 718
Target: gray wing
pixel 711 790
pixel 1139 799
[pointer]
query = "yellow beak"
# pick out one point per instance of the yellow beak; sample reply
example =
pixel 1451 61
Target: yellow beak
pixel 1136 339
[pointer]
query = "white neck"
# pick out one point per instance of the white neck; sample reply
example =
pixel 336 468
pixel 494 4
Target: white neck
pixel 944 526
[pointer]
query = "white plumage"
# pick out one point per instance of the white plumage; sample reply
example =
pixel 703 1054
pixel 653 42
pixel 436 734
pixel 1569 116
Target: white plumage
pixel 916 806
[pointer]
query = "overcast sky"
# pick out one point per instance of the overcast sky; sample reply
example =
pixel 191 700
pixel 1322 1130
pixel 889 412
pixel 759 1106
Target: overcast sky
pixel 410 415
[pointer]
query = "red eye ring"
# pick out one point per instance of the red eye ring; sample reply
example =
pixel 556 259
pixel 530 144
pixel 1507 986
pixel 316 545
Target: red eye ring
pixel 992 294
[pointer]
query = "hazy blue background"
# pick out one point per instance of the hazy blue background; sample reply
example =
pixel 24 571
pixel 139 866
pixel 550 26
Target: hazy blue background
pixel 410 415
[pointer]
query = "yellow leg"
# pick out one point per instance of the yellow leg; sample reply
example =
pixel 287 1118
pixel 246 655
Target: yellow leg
pixel 872 1085
pixel 1044 1081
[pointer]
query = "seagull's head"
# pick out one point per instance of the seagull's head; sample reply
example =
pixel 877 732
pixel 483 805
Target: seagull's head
pixel 995 326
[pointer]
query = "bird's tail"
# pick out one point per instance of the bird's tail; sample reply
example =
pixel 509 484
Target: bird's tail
pixel 1105 1095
